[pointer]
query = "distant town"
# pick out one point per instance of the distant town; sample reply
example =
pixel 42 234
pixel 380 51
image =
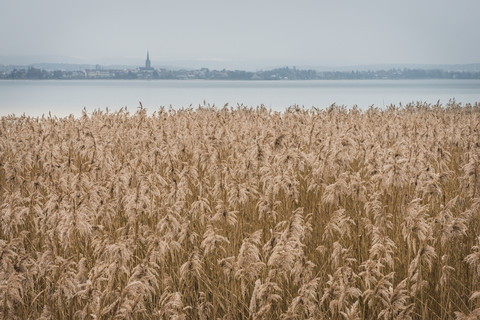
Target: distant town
pixel 285 73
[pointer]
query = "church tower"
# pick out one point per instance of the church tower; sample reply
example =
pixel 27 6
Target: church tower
pixel 147 62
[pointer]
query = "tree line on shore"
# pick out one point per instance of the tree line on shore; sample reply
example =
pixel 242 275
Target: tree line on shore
pixel 285 73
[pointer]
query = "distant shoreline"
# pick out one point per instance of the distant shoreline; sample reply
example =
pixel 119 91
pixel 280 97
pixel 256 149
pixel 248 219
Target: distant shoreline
pixel 239 80
pixel 278 74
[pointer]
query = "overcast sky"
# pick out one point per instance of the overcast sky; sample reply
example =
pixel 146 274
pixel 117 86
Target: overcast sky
pixel 248 33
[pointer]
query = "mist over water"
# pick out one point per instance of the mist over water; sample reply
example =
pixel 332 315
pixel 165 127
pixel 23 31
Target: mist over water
pixel 63 98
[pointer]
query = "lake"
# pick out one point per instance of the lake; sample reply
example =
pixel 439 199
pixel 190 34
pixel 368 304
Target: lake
pixel 65 97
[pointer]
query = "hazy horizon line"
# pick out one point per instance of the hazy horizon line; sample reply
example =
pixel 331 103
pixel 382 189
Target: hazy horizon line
pixel 207 62
pixel 200 64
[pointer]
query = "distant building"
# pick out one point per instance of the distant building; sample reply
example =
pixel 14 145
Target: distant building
pixel 148 65
pixel 147 62
pixel 146 72
pixel 99 73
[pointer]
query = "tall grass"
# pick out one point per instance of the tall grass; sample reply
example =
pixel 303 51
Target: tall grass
pixel 242 213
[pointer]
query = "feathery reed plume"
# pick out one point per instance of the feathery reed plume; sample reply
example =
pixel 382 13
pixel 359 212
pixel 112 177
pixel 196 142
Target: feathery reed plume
pixel 306 303
pixel 473 260
pixel 249 265
pixel 171 304
pixel 264 296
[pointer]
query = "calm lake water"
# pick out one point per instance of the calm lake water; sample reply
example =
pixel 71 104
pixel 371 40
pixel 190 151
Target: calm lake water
pixel 67 97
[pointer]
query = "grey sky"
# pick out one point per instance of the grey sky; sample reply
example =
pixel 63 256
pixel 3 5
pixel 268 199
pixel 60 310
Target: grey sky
pixel 241 33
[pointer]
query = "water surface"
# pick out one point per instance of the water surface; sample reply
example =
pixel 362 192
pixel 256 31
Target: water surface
pixel 64 97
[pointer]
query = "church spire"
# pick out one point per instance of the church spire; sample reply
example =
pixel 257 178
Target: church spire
pixel 147 62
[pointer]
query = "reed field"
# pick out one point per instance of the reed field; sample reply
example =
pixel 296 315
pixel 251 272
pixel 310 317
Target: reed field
pixel 242 213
